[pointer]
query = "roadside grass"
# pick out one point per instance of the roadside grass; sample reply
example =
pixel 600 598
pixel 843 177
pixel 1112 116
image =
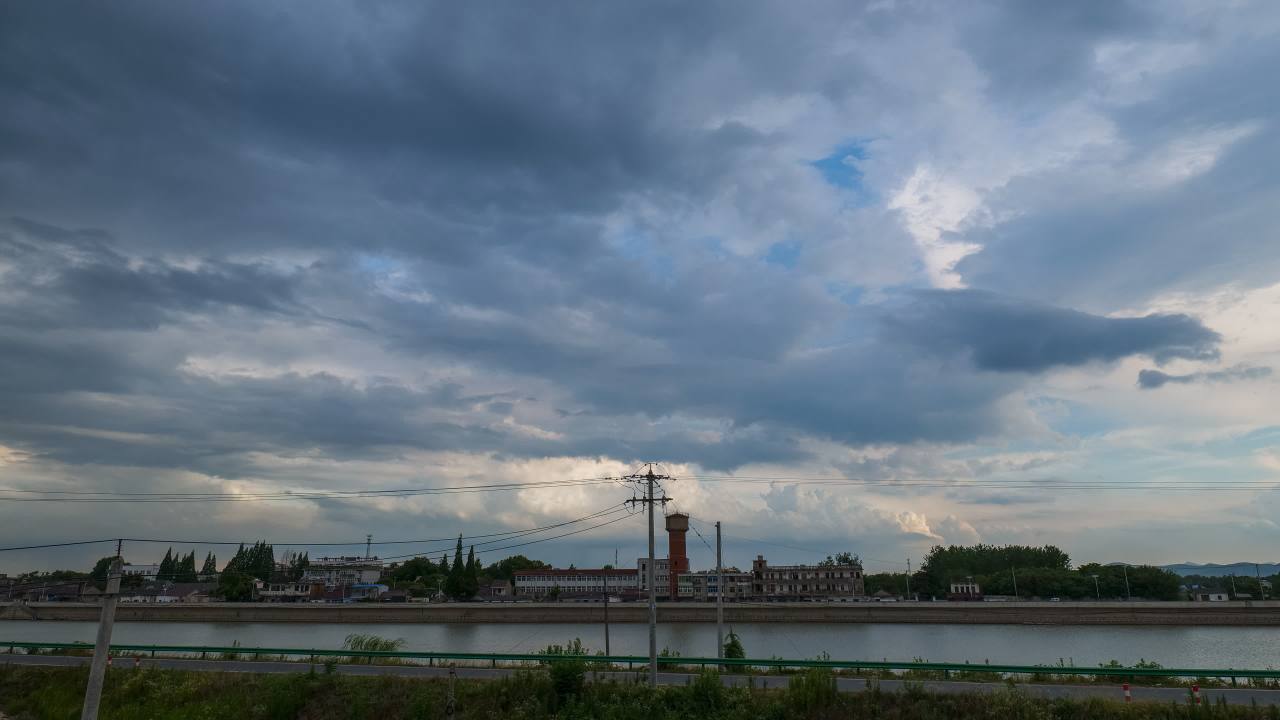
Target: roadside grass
pixel 36 693
pixel 975 672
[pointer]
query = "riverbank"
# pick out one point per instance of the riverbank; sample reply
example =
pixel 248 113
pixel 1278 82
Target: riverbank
pixel 566 691
pixel 941 613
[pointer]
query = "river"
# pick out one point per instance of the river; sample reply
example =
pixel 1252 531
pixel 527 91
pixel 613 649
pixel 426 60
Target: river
pixel 1208 647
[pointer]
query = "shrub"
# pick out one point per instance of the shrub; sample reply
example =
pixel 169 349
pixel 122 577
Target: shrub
pixel 359 642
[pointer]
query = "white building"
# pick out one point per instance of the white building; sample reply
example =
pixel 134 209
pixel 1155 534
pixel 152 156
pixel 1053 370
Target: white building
pixel 146 572
pixel 332 572
pixel 540 583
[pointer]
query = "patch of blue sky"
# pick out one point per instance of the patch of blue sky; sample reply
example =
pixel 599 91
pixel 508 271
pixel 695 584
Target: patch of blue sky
pixel 784 254
pixel 1242 445
pixel 378 264
pixel 842 169
pixel 638 247
pixel 1072 418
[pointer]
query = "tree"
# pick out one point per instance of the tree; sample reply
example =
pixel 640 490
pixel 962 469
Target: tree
pixel 471 576
pixel 210 567
pixel 102 568
pixel 844 558
pixel 185 568
pixel 455 582
pixel 444 564
pixel 733 646
pixel 507 568
pixel 165 573
pixel 235 586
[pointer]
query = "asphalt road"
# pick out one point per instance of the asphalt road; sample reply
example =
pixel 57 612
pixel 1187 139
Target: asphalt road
pixel 1233 696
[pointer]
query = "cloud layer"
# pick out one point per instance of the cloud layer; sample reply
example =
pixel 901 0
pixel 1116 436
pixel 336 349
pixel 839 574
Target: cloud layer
pixel 259 247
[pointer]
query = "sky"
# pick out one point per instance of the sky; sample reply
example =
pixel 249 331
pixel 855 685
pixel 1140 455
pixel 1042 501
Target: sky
pixel 1010 269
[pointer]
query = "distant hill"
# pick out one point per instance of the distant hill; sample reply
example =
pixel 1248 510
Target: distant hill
pixel 1217 570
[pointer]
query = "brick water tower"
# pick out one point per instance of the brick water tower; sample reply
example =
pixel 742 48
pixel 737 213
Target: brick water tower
pixel 677 558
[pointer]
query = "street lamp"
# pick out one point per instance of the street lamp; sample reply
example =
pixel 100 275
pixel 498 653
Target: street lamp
pixel 1096 590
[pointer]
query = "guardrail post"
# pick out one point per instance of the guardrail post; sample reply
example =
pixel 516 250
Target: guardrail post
pixel 451 703
pixel 1195 693
pixel 1128 696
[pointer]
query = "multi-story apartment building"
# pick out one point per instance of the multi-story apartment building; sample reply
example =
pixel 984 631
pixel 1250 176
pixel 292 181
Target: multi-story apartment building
pixel 574 582
pixel 802 582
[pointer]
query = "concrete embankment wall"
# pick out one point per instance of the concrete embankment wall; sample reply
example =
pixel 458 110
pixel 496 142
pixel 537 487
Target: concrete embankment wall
pixel 1007 613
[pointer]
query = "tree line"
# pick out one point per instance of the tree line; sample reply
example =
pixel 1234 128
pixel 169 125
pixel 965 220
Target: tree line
pixel 1027 571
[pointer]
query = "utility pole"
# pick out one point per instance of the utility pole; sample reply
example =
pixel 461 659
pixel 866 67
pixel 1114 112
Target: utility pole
pixel 605 580
pixel 720 589
pixel 649 480
pixel 102 644
pixel 1234 594
pixel 1127 594
pixel 1014 570
pixel 1097 589
pixel 1257 573
pixel 908 578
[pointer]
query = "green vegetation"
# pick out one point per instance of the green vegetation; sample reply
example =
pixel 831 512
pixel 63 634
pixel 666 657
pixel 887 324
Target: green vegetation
pixel 463 579
pixel 31 693
pixel 236 581
pixel 175 568
pixel 733 646
pixel 1035 571
pixel 359 642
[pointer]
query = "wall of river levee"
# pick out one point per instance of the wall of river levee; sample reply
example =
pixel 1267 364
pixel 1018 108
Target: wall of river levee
pixel 1003 613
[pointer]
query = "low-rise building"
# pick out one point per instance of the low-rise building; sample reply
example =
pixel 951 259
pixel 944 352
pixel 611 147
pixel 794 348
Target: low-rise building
pixel 1209 597
pixel 147 573
pixel 704 585
pixel 805 582
pixel 286 591
pixel 965 589
pixel 169 593
pixel 573 582
pixel 333 572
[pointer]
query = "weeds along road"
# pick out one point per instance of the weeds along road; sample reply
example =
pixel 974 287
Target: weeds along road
pixel 1233 696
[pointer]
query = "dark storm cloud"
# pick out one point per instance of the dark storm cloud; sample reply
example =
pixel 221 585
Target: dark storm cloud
pixel 1007 335
pixel 76 279
pixel 1097 242
pixel 1151 379
pixel 440 183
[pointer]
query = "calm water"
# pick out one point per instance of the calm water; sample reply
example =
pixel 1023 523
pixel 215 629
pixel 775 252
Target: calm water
pixel 1213 647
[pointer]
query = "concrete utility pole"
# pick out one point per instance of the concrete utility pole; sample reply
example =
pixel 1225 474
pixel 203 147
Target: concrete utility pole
pixel 102 645
pixel 1014 570
pixel 1234 594
pixel 1127 594
pixel 1257 573
pixel 720 590
pixel 1097 589
pixel 605 580
pixel 649 480
pixel 908 578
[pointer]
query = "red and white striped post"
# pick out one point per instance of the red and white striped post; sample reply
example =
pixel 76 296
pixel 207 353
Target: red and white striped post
pixel 1195 693
pixel 1128 696
pixel 109 659
pixel 137 661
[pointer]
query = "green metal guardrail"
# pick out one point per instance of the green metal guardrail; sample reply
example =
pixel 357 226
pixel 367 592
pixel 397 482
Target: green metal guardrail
pixel 672 660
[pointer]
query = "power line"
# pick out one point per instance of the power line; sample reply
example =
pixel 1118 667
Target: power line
pixel 112 496
pixel 532 542
pixel 605 511
pixel 56 545
pixel 1172 484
